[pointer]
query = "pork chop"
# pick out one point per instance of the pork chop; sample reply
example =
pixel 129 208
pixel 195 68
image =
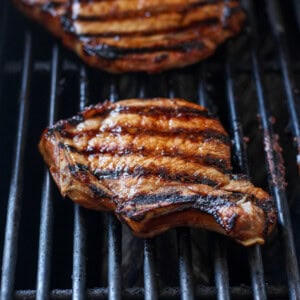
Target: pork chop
pixel 157 164
pixel 139 35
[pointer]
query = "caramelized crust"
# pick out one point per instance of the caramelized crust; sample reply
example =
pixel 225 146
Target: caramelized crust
pixel 157 164
pixel 134 35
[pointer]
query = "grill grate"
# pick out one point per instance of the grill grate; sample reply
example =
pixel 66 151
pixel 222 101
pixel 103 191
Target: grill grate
pixel 85 88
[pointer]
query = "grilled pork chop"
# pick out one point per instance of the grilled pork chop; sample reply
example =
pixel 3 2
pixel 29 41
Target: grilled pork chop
pixel 139 35
pixel 156 164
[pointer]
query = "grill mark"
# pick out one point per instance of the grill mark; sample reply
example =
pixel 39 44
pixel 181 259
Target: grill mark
pixel 97 191
pixel 205 203
pixel 265 204
pixel 229 12
pixel 189 134
pixel 113 52
pixel 81 171
pixel 161 172
pixel 270 211
pixel 141 13
pixel 158 111
pixel 208 160
pixel 145 199
pixel 139 171
pixel 61 126
pixel 69 27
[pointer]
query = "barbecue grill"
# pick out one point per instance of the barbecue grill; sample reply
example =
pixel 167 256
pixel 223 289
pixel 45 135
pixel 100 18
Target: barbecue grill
pixel 53 249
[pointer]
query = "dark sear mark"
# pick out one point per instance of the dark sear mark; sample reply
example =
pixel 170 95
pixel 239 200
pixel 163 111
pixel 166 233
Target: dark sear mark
pixel 97 191
pixel 267 206
pixel 69 27
pixel 78 168
pixel 140 171
pixel 156 111
pixel 209 161
pixel 217 162
pixel 208 134
pixel 197 200
pixel 159 111
pixel 113 52
pixel 161 57
pixel 69 148
pixel 161 172
pixel 137 207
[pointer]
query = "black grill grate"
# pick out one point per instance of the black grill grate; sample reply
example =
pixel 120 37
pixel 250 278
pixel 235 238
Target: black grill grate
pixel 59 72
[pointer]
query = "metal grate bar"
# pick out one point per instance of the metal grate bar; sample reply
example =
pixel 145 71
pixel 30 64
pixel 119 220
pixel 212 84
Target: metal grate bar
pixel 185 266
pixel 183 244
pixel 79 241
pixel 83 88
pixel 46 222
pixel 79 246
pixel 297 11
pixel 201 292
pixel 114 258
pixel 277 185
pixel 113 91
pixel 14 200
pixel 3 30
pixel 238 145
pixel 254 253
pixel 257 273
pixel 220 261
pixel 114 236
pixel 150 282
pixel 280 198
pixel 202 98
pixel 292 94
pixel 221 269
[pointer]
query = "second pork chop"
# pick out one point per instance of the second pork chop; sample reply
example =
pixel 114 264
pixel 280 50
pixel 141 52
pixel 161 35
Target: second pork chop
pixel 133 35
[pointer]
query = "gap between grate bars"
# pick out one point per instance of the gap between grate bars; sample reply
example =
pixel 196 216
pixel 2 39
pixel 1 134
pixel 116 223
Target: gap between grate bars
pixel 14 199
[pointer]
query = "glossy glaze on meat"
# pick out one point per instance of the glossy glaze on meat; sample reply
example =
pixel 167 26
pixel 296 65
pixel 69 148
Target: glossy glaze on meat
pixel 139 35
pixel 157 164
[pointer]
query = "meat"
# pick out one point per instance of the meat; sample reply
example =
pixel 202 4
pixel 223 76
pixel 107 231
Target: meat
pixel 139 35
pixel 157 164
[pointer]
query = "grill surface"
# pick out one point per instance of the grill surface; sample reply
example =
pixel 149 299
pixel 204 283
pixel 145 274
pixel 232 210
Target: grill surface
pixel 54 249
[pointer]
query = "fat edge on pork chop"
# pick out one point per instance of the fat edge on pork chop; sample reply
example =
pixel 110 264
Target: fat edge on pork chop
pixel 157 164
